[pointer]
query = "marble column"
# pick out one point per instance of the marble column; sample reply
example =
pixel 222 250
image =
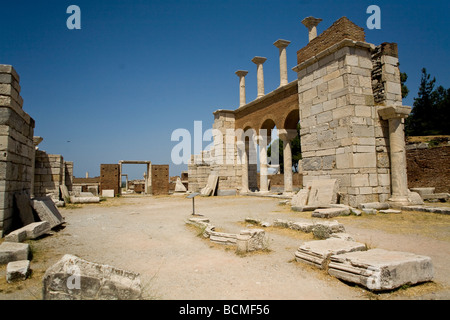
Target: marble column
pixel 311 23
pixel 282 45
pixel 263 165
pixel 241 74
pixel 259 61
pixel 287 135
pixel 399 179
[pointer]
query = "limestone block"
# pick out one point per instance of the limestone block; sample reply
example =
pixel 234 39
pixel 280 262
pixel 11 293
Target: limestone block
pixel 342 236
pixel 179 187
pixel 47 211
pixel 23 203
pixel 322 192
pixel 84 199
pixel 18 271
pixel 65 193
pixel 251 240
pixel 93 190
pixel 106 193
pixel 301 198
pixel 31 231
pixel 223 238
pixel 10 251
pixel 379 269
pixel 72 278
pixel 330 212
pixel 318 253
pixel 306 226
pixel 326 228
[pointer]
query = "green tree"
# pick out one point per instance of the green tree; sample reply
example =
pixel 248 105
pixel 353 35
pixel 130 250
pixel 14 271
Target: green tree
pixel 403 79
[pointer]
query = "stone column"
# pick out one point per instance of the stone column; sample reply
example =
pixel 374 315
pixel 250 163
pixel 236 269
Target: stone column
pixel 311 23
pixel 287 135
pixel 241 74
pixel 282 45
pixel 36 142
pixel 399 179
pixel 259 61
pixel 263 165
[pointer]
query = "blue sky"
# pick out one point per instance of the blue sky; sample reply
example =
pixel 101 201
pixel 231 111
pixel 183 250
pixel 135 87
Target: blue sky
pixel 138 70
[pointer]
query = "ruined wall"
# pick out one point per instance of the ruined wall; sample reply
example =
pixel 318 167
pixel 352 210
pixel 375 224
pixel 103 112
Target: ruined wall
pixel 68 172
pixel 110 178
pixel 49 175
pixel 16 147
pixel 338 117
pixel 160 179
pixel 199 169
pixel 429 168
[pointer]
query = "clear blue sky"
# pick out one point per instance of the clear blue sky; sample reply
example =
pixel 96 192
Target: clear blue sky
pixel 137 70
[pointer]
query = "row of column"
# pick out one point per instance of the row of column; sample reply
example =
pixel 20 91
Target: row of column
pixel 285 135
pixel 259 61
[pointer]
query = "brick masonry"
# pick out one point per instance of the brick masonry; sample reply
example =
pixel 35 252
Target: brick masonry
pixel 429 168
pixel 160 179
pixel 110 178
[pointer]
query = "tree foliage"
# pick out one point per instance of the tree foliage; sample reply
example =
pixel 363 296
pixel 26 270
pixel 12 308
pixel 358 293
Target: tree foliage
pixel 431 109
pixel 296 150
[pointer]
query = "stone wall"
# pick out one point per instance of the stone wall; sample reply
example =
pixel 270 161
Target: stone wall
pixel 199 169
pixel 160 179
pixel 338 120
pixel 49 175
pixel 429 168
pixel 16 147
pixel 110 178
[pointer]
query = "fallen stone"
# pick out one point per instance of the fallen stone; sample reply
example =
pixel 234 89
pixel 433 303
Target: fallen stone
pixel 223 238
pixel 32 231
pixel 106 193
pixel 304 208
pixel 356 212
pixel 280 223
pixel 23 203
pixel 436 196
pixel 18 271
pixel 83 199
pixel 211 186
pixel 343 236
pixel 306 227
pixel 253 221
pixel 72 278
pixel 333 226
pixel 10 251
pixel 301 198
pixel 65 193
pixel 47 211
pixel 318 253
pixel 379 269
pixel 423 191
pixel 322 192
pixel 374 205
pixel 179 186
pixel 369 211
pixel 251 240
pixel 266 224
pixel 414 198
pixel 441 210
pixel 330 212
pixel 390 211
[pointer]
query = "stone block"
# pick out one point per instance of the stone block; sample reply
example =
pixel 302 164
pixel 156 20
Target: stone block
pixel 223 238
pixel 306 226
pixel 32 231
pixel 379 269
pixel 330 212
pixel 108 193
pixel 318 253
pixel 251 240
pixel 322 192
pixel 10 251
pixel 23 203
pixel 72 278
pixel 84 199
pixel 18 270
pixel 301 198
pixel 47 211
pixel 65 193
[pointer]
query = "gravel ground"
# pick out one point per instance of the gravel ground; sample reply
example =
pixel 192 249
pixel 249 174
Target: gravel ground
pixel 149 235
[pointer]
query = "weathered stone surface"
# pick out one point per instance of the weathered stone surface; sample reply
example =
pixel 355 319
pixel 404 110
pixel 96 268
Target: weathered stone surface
pixel 318 253
pixel 92 199
pixel 303 209
pixel 107 193
pixel 10 251
pixel 18 270
pixel 253 221
pixel 390 211
pixel 32 231
pixel 223 238
pixel 23 203
pixel 322 192
pixel 330 212
pixel 423 191
pixel 374 205
pixel 379 269
pixel 251 240
pixel 211 186
pixel 300 199
pixel 65 193
pixel 343 236
pixel 93 190
pixel 47 211
pixel 72 278
pixel 306 226
pixel 179 186
pixel 442 210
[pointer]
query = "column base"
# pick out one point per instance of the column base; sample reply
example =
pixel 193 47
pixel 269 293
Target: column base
pixel 244 192
pixel 263 192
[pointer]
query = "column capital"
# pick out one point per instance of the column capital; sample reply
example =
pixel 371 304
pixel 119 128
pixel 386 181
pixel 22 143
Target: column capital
pixel 394 112
pixel 281 43
pixel 259 60
pixel 311 22
pixel 37 140
pixel 287 134
pixel 241 73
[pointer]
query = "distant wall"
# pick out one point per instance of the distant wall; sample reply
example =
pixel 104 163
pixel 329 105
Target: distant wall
pixel 429 168
pixel 160 179
pixel 110 178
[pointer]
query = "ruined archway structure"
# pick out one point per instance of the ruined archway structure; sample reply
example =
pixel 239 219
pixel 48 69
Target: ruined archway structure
pixel 348 100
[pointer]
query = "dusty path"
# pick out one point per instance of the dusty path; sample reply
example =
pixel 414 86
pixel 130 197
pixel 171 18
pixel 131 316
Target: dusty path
pixel 149 235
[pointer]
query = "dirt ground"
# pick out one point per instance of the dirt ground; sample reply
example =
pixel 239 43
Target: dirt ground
pixel 149 235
